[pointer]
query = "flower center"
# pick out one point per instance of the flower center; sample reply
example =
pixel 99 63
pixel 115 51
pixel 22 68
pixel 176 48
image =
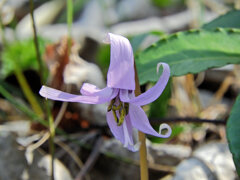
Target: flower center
pixel 119 110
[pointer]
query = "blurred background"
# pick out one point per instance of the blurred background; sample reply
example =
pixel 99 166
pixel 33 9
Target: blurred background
pixel 195 106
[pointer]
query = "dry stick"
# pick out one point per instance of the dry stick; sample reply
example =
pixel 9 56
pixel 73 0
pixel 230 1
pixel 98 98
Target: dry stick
pixel 46 136
pixel 91 160
pixel 142 138
pixel 73 155
pixel 158 121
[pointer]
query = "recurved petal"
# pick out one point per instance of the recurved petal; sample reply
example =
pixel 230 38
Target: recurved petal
pixel 57 95
pixel 121 70
pixel 153 93
pixel 140 121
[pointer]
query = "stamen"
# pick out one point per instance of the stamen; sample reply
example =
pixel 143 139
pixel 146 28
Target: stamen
pixel 122 116
pixel 117 107
pixel 122 108
pixel 115 116
pixel 110 105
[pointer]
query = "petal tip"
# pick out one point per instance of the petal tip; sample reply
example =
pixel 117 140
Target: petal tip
pixel 42 91
pixel 169 130
pixel 106 38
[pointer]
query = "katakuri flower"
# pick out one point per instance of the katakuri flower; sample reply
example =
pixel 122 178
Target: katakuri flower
pixel 124 111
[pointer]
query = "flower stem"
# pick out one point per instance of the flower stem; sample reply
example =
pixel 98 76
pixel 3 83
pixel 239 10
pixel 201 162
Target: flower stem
pixel 142 138
pixel 69 24
pixel 69 16
pixel 51 139
pixel 49 115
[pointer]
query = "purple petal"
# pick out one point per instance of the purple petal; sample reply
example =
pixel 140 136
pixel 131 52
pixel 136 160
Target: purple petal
pixel 54 94
pixel 121 70
pixel 128 135
pixel 153 93
pixel 126 95
pixel 122 133
pixel 92 90
pixel 116 130
pixel 140 121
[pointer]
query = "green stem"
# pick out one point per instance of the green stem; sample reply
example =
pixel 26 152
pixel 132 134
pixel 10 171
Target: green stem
pixel 69 16
pixel 37 49
pixel 69 23
pixel 51 139
pixel 49 116
pixel 27 91
pixel 142 138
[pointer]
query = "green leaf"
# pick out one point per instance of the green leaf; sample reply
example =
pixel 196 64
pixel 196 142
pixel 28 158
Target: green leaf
pixel 103 58
pixel 233 133
pixel 137 40
pixel 158 108
pixel 191 51
pixel 22 54
pixel 230 20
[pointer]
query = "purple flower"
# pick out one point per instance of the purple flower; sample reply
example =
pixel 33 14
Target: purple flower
pixel 124 111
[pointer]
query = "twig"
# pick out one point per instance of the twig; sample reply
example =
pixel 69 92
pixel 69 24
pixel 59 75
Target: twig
pixel 58 119
pixel 44 138
pixel 227 82
pixel 157 121
pixel 91 160
pixel 73 155
pixel 163 168
pixel 127 160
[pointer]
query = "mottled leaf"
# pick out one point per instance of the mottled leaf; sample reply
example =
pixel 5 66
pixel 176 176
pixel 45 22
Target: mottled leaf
pixel 233 133
pixel 228 20
pixel 190 52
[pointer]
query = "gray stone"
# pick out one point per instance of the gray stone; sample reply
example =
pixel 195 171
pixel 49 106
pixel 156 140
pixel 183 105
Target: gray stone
pixel 12 159
pixel 167 154
pixel 209 162
pixel 193 169
pixel 18 164
pixel 21 127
